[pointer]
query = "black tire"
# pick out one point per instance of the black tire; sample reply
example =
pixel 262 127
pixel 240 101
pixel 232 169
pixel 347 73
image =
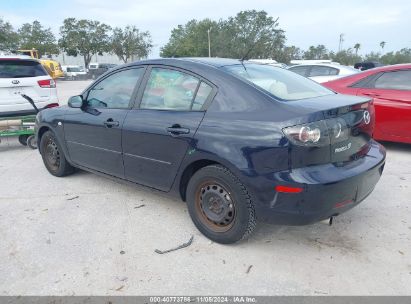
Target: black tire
pixel 53 156
pixel 220 205
pixel 23 139
pixel 31 142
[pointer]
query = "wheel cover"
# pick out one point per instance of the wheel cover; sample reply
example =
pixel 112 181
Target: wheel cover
pixel 52 155
pixel 215 206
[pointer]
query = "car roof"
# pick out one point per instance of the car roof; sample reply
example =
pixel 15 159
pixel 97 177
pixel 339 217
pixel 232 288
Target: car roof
pixel 332 65
pixel 215 62
pixel 17 57
pixel 391 67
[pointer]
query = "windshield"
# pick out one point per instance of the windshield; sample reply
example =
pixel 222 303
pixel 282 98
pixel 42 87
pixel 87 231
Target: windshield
pixel 10 68
pixel 283 84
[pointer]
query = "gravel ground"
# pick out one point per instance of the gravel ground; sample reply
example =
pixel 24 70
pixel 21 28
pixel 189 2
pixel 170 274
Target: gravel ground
pixel 87 235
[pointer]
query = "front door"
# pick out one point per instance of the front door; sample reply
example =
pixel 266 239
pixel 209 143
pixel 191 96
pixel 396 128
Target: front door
pixel 93 133
pixel 156 136
pixel 392 99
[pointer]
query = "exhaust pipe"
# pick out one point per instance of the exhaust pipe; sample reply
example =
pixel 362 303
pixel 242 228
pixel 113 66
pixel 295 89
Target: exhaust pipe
pixel 328 221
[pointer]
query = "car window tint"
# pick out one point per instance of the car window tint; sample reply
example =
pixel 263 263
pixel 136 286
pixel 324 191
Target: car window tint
pixel 398 80
pixel 318 70
pixel 203 92
pixel 169 90
pixel 302 70
pixel 10 68
pixel 114 91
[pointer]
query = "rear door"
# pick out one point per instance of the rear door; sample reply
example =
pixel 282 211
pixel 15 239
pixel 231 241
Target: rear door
pixel 392 98
pixel 158 132
pixel 19 76
pixel 93 134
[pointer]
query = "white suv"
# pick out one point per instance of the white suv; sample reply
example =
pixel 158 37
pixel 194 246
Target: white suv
pixel 23 75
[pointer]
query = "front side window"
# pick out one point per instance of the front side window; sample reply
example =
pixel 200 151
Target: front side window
pixel 171 90
pixel 398 80
pixel 115 91
pixel 281 83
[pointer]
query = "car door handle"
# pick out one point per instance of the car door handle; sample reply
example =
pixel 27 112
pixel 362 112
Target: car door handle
pixel 177 130
pixel 109 123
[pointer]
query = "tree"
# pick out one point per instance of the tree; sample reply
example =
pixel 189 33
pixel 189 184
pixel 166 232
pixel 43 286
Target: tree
pixel 346 57
pixel 316 52
pixel 373 56
pixel 401 56
pixel 129 42
pixel 191 39
pixel 34 35
pixel 357 46
pixel 382 45
pixel 248 34
pixel 9 39
pixel 288 53
pixel 85 38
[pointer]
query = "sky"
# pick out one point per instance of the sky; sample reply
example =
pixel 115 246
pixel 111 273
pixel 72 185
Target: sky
pixel 305 22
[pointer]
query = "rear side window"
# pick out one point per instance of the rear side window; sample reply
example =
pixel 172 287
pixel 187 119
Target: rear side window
pixel 301 70
pixel 171 90
pixel 398 80
pixel 21 68
pixel 203 92
pixel 318 70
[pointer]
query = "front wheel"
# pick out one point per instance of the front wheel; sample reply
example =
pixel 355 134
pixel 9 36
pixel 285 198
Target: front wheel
pixel 220 205
pixel 53 156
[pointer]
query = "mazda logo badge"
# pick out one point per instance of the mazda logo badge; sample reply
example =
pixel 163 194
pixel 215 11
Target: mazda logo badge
pixel 367 117
pixel 15 82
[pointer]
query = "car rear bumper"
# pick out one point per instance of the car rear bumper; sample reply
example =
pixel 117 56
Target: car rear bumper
pixel 23 109
pixel 327 190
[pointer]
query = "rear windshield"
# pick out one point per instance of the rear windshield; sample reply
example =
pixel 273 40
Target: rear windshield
pixel 283 84
pixel 21 68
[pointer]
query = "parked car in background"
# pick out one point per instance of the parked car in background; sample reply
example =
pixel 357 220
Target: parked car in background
pixel 74 72
pixel 237 141
pixel 269 62
pixel 97 69
pixel 362 66
pixel 24 75
pixel 390 87
pixel 322 72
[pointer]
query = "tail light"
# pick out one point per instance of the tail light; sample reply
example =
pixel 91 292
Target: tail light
pixel 47 83
pixel 312 134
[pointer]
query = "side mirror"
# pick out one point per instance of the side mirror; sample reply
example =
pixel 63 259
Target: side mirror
pixel 75 102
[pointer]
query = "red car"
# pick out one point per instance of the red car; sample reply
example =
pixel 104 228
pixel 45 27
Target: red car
pixel 390 87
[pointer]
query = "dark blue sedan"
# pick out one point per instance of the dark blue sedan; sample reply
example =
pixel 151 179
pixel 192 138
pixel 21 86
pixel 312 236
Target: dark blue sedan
pixel 237 141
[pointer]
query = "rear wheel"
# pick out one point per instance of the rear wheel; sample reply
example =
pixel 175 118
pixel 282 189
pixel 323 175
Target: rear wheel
pixel 53 155
pixel 23 139
pixel 220 205
pixel 31 142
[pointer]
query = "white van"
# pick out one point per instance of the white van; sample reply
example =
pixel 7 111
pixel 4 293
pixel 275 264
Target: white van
pixel 73 72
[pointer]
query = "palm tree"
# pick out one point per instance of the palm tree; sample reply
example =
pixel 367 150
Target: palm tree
pixel 382 45
pixel 357 46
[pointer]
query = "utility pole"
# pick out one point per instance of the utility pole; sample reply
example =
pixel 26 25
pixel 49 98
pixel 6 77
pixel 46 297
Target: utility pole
pixel 209 42
pixel 341 42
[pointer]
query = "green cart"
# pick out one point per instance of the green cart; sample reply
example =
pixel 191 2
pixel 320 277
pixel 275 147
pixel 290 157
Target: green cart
pixel 21 127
